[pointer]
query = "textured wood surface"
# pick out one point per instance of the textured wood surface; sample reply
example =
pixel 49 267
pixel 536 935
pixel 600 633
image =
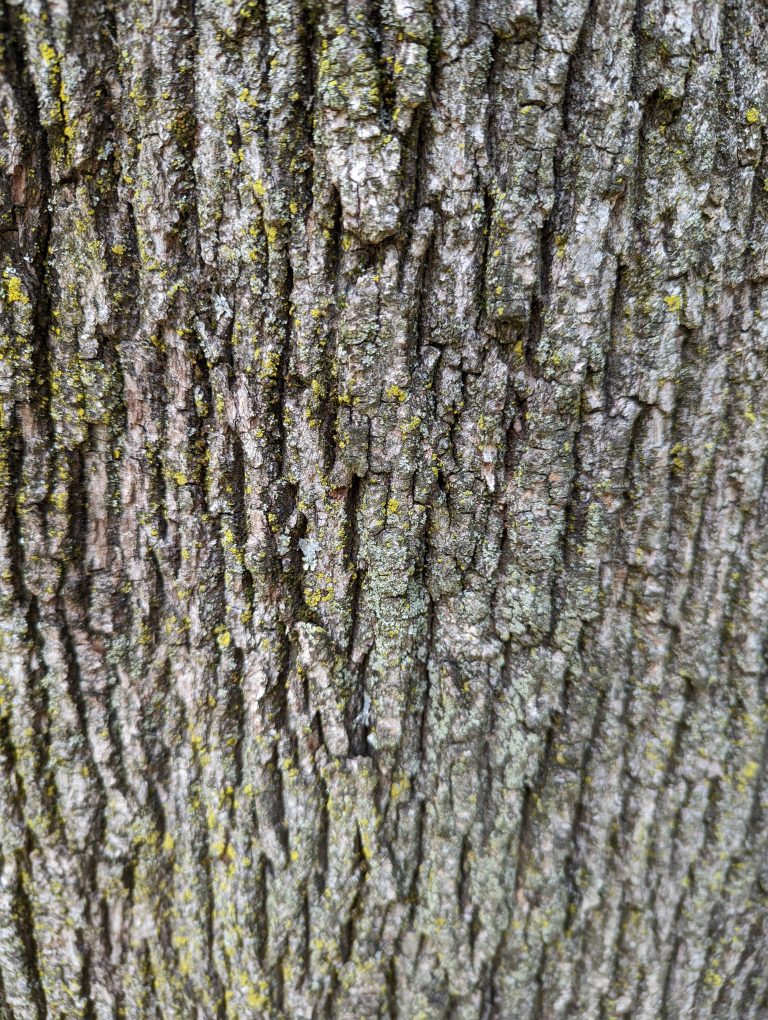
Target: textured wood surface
pixel 383 543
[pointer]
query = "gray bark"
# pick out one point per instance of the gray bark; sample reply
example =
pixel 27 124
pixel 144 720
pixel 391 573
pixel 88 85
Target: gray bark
pixel 383 559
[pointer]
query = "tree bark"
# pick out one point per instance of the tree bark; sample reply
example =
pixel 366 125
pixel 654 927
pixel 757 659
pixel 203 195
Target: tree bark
pixel 383 556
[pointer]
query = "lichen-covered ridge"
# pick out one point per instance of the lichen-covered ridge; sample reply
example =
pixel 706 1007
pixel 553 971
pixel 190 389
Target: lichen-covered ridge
pixel 383 557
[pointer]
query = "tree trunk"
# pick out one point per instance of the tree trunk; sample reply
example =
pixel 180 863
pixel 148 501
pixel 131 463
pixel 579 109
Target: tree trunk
pixel 383 546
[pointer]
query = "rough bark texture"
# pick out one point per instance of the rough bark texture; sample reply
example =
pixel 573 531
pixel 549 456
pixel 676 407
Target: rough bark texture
pixel 383 560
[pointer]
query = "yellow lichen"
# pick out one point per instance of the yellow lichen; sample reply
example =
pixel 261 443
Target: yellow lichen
pixel 14 290
pixel 712 979
pixel 394 392
pixel 47 52
pixel 257 1000
pixel 748 773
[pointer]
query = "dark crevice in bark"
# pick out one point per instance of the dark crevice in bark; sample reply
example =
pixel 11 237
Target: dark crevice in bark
pixel 392 1009
pixel 525 814
pixel 357 720
pixel 25 928
pixel 347 933
pixel 236 711
pixel 263 873
pixel 279 405
pixel 327 398
pixel 629 482
pixel 609 351
pixel 580 810
pixel 427 681
pixel 321 869
pixel 572 530
pixel 277 801
pixel 308 34
pixel 378 43
pixel 497 53
pixel 555 221
pixel 357 714
pixel 677 942
pixel 89 1009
